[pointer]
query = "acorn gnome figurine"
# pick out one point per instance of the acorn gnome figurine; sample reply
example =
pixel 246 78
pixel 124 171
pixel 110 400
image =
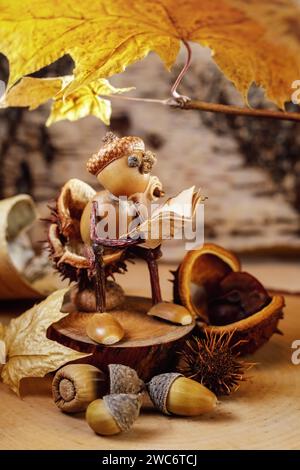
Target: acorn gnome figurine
pixel 93 234
pixel 122 167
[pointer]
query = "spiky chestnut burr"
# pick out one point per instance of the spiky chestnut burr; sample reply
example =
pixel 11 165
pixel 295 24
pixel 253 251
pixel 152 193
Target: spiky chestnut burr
pixel 214 362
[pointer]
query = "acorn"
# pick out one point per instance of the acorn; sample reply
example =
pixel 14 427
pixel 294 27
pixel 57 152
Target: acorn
pixel 113 414
pixel 123 379
pixel 122 165
pixel 172 393
pixel 76 385
pixel 172 312
pixel 103 328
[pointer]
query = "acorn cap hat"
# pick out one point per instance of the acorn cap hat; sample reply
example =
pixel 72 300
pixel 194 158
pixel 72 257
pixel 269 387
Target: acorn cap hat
pixel 113 149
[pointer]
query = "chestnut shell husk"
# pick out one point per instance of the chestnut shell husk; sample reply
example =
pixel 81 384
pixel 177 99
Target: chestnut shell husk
pixel 67 250
pixel 251 332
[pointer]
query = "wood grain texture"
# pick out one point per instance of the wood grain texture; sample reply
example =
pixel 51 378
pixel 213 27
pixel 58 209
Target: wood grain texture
pixel 264 413
pixel 149 345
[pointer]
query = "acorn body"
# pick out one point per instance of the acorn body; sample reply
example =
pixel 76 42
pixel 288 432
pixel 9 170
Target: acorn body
pixel 100 419
pixel 76 385
pixel 123 180
pixel 172 393
pixel 189 398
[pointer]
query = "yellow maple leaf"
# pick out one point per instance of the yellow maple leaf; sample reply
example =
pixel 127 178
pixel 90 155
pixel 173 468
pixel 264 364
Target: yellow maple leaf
pixel 31 92
pixel 29 352
pixel 255 41
pixel 84 101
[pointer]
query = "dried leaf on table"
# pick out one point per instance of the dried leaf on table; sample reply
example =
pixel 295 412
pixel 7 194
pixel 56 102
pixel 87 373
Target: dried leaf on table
pixel 250 41
pixel 2 345
pixel 23 273
pixel 29 352
pixel 84 101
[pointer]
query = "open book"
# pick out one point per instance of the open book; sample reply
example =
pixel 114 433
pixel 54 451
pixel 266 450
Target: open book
pixel 170 220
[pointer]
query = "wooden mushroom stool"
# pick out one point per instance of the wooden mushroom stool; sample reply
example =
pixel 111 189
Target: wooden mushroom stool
pixel 149 345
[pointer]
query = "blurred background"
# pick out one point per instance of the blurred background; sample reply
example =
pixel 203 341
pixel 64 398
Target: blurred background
pixel 249 169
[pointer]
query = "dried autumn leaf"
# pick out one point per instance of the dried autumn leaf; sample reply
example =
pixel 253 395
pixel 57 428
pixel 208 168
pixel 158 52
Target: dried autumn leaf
pixel 84 101
pixel 32 92
pixel 251 41
pixel 29 352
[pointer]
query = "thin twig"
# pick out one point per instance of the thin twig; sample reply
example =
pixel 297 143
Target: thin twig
pixel 133 98
pixel 238 111
pixel 217 108
pixel 184 102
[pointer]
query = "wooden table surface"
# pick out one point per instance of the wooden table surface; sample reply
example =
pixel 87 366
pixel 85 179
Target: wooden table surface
pixel 264 413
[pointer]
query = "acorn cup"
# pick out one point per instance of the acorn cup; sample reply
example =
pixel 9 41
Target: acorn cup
pixel 123 379
pixel 113 414
pixel 103 328
pixel 172 393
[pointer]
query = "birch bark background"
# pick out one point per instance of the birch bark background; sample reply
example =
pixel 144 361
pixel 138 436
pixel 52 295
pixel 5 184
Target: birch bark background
pixel 248 168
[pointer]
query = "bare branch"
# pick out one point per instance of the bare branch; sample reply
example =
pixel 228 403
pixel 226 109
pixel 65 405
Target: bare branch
pixel 234 110
pixel 216 108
